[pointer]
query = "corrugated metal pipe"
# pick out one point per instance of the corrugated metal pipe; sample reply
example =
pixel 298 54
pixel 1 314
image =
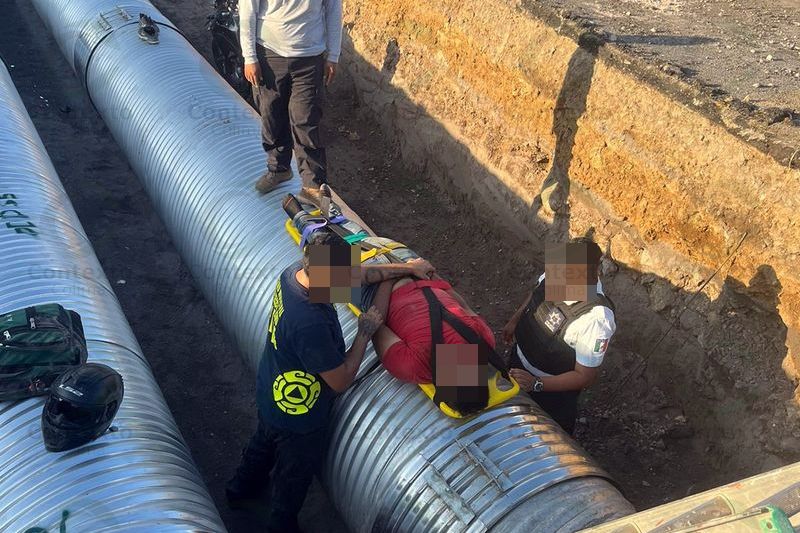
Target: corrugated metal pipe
pixel 394 463
pixel 139 478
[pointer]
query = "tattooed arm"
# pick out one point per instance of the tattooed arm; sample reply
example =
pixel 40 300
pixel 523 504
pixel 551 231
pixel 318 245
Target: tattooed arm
pixel 376 273
pixel 342 376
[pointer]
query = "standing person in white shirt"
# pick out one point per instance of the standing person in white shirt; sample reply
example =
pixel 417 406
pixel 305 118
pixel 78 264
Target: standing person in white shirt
pixel 291 49
pixel 562 330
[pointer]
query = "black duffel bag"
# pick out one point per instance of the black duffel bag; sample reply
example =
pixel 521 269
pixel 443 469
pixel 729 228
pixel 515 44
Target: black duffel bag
pixel 37 344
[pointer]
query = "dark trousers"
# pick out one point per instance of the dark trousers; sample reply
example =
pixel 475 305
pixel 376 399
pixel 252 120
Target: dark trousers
pixel 290 101
pixel 561 406
pixel 295 458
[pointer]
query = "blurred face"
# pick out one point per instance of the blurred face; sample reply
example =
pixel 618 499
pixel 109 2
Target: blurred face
pixel 462 366
pixel 569 273
pixel 334 273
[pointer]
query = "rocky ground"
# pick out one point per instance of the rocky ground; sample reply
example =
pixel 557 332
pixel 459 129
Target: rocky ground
pixel 639 434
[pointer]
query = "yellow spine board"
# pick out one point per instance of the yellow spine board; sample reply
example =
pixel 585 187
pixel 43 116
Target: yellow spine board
pixel 496 395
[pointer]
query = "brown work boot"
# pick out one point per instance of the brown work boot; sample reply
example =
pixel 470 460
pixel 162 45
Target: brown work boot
pixel 271 179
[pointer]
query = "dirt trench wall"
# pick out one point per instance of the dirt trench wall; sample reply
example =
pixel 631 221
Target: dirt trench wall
pixel 503 106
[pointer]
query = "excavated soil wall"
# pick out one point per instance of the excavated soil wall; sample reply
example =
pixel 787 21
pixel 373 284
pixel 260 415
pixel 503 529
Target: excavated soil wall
pixel 537 121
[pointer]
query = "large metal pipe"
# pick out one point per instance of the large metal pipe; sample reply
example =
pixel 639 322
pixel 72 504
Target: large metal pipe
pixel 139 478
pixel 394 461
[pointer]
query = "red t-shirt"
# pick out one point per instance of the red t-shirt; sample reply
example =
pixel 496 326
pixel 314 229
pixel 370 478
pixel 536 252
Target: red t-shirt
pixel 408 317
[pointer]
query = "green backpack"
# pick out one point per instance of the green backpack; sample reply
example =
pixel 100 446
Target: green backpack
pixel 37 344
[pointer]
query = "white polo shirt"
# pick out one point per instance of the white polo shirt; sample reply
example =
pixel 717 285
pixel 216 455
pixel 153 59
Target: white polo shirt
pixel 588 335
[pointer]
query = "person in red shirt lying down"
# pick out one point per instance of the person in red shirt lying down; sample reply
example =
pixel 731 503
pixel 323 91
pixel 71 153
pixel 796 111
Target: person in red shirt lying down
pixel 403 342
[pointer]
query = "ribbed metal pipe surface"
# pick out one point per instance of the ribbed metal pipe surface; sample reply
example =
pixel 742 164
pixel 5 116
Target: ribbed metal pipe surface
pixel 140 478
pixel 395 463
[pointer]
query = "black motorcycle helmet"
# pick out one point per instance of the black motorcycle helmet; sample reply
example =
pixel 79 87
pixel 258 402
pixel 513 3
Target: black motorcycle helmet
pixel 81 405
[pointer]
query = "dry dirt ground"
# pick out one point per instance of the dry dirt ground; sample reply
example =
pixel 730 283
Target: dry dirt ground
pixel 648 445
pixel 744 51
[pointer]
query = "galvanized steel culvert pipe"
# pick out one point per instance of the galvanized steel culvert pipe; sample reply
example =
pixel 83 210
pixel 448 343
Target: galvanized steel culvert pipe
pixel 140 478
pixel 394 463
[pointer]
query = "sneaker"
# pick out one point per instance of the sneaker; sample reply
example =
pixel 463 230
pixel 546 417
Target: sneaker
pixel 271 179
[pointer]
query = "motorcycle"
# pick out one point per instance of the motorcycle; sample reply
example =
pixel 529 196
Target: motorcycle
pixel 225 47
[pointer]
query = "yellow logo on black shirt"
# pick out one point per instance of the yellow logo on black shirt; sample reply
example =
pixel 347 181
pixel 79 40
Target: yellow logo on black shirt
pixel 275 315
pixel 295 392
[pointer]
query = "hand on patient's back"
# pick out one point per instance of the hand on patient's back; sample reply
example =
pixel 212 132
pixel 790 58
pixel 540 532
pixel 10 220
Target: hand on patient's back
pixel 422 268
pixel 369 322
pixel 525 379
pixel 252 73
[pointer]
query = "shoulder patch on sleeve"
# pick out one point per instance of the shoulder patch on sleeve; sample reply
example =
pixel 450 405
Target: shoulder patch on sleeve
pixel 600 345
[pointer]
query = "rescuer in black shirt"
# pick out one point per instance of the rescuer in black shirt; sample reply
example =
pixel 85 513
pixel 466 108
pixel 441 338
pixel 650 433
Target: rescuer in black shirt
pixel 303 367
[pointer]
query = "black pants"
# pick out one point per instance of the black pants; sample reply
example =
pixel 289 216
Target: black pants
pixel 561 406
pixel 295 458
pixel 290 101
